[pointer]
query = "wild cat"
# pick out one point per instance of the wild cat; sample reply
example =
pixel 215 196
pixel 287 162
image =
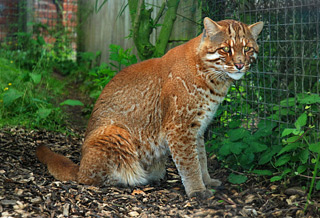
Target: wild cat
pixel 159 107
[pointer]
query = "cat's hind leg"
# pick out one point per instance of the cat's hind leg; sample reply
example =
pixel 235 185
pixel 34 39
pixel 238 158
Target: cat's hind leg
pixel 109 157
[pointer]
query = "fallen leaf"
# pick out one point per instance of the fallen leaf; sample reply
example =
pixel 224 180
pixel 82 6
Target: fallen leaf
pixel 138 192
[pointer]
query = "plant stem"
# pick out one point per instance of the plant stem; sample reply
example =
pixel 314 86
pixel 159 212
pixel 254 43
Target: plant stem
pixel 312 182
pixel 156 20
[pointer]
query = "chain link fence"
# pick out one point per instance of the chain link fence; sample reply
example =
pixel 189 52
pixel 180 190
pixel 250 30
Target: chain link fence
pixel 285 80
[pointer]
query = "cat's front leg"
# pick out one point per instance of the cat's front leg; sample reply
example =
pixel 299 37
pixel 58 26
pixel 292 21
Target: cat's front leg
pixel 183 147
pixel 208 181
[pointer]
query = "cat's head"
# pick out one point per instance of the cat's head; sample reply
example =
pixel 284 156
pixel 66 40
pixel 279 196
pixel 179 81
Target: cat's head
pixel 229 47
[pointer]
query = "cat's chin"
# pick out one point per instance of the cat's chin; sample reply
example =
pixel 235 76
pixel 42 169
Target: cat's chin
pixel 236 76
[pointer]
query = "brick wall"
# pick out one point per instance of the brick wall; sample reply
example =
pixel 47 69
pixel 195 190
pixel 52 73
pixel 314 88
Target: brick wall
pixel 44 11
pixel 8 17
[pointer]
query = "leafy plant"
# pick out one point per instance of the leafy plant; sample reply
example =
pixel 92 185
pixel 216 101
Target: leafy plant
pixel 27 98
pixel 120 57
pixel 102 74
pixel 241 147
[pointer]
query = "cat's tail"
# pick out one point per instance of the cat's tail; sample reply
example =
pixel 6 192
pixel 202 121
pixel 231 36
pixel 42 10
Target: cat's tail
pixel 61 167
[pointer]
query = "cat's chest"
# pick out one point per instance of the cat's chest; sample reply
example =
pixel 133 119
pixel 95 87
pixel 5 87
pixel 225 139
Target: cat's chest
pixel 207 106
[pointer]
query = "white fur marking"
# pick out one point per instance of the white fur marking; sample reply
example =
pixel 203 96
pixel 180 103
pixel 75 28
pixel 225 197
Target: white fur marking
pixel 235 76
pixel 213 56
pixel 255 55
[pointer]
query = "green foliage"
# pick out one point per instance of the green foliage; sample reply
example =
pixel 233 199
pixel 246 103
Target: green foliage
pixel 243 145
pixel 237 179
pixel 121 57
pixel 72 102
pixel 30 51
pixel 101 75
pixel 27 98
pixel 28 93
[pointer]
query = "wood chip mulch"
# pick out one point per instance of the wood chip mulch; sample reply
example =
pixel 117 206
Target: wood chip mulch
pixel 27 189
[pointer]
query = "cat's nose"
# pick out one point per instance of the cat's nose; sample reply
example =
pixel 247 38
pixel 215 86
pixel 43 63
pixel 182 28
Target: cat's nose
pixel 239 66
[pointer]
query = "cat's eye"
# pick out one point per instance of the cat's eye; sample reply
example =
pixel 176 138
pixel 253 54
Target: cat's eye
pixel 226 49
pixel 246 48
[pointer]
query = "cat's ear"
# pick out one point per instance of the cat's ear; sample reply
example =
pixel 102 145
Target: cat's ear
pixel 255 29
pixel 210 27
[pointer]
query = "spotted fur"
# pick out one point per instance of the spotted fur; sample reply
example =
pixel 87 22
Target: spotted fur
pixel 159 107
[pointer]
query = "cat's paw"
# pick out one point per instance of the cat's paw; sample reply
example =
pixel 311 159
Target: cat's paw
pixel 213 183
pixel 201 195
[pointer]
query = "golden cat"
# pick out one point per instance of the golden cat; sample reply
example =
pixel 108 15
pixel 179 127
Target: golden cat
pixel 159 107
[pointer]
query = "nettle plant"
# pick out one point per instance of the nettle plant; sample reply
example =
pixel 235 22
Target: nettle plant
pixel 256 147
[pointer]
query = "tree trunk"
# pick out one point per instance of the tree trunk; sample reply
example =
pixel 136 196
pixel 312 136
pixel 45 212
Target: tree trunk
pixel 143 24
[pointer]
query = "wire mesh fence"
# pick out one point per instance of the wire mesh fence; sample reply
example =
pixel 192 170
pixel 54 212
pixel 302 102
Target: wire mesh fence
pixel 33 16
pixel 285 81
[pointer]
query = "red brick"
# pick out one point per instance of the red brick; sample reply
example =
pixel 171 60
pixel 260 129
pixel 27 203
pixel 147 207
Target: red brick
pixel 3 20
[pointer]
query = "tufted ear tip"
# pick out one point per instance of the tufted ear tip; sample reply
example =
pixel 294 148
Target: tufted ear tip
pixel 210 26
pixel 256 29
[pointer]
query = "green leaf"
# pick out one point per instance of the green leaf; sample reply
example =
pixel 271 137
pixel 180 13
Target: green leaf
pixel 287 132
pixel 297 132
pixel 288 102
pixel 265 157
pixel 268 154
pixel 265 129
pixel 246 158
pixel 237 179
pixel 285 111
pixel 293 139
pixel 36 77
pixel 245 108
pixel 308 99
pixel 318 185
pixel 315 147
pixel 225 149
pixel 289 147
pixel 237 147
pixel 275 178
pixel 41 40
pixel 10 96
pixel 236 134
pixel 72 102
pixel 304 156
pixel 43 113
pixel 263 172
pixel 283 160
pixel 286 171
pixel 301 121
pixel 302 168
pixel 276 108
pixel 234 124
pixel 257 147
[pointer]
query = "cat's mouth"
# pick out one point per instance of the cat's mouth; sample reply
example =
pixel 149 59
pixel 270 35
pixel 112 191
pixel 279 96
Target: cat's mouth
pixel 236 75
